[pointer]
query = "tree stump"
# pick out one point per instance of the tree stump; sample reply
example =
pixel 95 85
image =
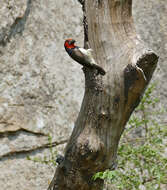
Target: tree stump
pixel 109 100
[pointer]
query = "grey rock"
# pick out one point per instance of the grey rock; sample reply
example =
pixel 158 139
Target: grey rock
pixel 41 88
pixel 151 25
pixel 17 172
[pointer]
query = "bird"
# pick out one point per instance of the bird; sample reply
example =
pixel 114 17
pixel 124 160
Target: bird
pixel 82 56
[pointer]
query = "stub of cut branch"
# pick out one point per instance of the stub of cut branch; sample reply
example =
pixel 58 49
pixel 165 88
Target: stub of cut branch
pixel 109 100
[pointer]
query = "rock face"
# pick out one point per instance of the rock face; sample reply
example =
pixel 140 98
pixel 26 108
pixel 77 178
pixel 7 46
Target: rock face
pixel 41 88
pixel 151 24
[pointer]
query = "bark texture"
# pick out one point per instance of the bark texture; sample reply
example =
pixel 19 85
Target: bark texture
pixel 108 100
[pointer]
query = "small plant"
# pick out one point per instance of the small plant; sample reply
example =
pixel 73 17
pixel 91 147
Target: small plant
pixel 50 159
pixel 141 160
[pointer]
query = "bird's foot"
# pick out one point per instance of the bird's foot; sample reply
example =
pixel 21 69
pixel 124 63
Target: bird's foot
pixel 100 70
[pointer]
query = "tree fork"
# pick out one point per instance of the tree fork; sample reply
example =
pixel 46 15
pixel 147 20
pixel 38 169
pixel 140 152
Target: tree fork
pixel 109 100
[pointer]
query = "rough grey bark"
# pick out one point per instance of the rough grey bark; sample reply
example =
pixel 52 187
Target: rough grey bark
pixel 108 100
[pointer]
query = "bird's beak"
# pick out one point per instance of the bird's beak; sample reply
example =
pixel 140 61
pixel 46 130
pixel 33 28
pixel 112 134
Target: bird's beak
pixel 72 42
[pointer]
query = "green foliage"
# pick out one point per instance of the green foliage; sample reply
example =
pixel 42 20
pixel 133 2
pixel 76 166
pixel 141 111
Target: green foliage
pixel 141 160
pixel 50 159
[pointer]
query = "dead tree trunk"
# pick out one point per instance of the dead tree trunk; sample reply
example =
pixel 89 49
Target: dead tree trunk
pixel 109 100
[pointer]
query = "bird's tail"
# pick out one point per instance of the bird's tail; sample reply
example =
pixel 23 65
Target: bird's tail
pixel 99 69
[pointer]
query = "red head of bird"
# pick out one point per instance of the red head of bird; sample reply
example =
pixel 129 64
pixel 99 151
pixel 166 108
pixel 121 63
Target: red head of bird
pixel 69 44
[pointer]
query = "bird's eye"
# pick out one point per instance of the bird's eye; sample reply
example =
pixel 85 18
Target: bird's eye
pixel 70 42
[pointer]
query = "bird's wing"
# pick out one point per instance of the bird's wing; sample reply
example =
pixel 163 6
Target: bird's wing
pixel 80 55
pixel 88 55
pixel 83 51
pixel 87 52
pixel 85 58
pixel 90 50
